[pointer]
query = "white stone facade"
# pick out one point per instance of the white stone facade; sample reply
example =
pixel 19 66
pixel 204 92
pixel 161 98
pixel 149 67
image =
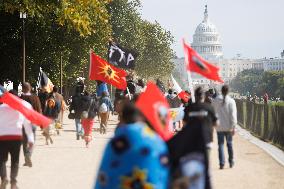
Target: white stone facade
pixel 269 64
pixel 206 39
pixel 207 42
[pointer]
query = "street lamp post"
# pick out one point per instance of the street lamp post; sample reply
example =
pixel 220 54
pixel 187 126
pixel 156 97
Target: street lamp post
pixel 24 16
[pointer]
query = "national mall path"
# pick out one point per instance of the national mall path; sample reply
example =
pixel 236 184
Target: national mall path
pixel 68 164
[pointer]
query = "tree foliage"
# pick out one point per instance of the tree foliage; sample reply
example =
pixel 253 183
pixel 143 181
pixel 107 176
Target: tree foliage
pixel 85 16
pixel 69 28
pixel 259 82
pixel 150 40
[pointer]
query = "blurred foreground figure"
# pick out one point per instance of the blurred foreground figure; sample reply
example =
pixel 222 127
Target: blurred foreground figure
pixel 11 136
pixel 136 157
pixel 189 148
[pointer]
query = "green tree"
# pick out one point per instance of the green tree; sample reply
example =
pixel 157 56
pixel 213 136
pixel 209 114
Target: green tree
pixel 247 81
pixel 259 82
pixel 85 16
pixel 150 40
pixel 71 28
pixel 46 40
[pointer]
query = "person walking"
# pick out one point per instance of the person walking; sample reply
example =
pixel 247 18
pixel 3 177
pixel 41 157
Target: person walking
pixel 265 98
pixel 105 106
pixel 226 110
pixel 189 146
pixel 35 102
pixel 101 88
pixel 11 124
pixel 76 109
pixel 60 99
pixel 174 102
pixel 52 109
pixel 88 115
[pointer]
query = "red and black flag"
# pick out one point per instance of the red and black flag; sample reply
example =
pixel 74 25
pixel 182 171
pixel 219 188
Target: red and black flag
pixel 154 106
pixel 199 65
pixel 103 71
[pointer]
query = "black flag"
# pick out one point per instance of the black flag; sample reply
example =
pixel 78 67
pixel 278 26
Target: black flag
pixel 121 57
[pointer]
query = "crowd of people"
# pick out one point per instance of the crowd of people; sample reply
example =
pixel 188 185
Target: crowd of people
pixel 136 156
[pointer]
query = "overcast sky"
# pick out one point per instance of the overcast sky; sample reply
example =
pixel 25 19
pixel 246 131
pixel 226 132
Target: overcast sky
pixel 253 28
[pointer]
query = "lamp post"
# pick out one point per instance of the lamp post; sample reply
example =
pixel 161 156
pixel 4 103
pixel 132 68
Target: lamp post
pixel 61 74
pixel 24 16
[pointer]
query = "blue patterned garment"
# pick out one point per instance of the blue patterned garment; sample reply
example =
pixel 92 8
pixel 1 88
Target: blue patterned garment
pixel 135 158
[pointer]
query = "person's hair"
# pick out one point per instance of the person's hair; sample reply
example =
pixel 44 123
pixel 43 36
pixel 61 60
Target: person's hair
pixel 26 87
pixel 199 94
pixel 211 91
pixel 104 94
pixel 99 82
pixel 224 91
pixel 141 83
pixel 170 91
pixel 79 89
pixel 55 89
pixel 130 114
pixel 14 92
pixel 86 93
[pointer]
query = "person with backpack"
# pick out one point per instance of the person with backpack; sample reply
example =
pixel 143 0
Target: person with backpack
pixel 52 109
pixel 87 116
pixel 76 111
pixel 60 99
pixel 101 87
pixel 35 102
pixel 105 106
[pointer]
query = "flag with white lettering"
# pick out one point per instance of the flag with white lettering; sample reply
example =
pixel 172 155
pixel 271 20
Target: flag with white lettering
pixel 121 57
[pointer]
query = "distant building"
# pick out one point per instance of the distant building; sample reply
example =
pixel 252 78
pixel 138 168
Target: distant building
pixel 268 64
pixel 207 42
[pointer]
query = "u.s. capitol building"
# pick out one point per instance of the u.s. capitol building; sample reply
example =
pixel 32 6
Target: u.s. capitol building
pixel 207 42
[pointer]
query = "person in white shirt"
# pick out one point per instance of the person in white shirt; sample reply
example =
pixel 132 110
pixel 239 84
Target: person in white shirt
pixel 11 124
pixel 226 110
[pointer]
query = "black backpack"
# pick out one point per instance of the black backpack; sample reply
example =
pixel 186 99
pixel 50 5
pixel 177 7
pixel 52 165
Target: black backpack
pixel 52 107
pixel 76 102
pixel 93 109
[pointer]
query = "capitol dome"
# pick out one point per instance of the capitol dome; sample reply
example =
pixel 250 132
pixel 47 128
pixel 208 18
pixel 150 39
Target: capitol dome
pixel 206 39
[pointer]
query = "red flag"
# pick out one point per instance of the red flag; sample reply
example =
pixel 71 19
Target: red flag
pixel 105 72
pixel 154 106
pixel 199 65
pixel 184 96
pixel 18 104
pixel 181 94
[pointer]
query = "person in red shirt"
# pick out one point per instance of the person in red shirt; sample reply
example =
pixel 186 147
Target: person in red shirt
pixel 265 98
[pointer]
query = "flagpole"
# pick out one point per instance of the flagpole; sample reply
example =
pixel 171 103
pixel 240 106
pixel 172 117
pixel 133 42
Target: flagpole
pixel 128 93
pixel 189 78
pixel 61 73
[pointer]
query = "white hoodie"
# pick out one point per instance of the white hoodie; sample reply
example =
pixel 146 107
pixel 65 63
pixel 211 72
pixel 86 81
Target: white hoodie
pixel 12 122
pixel 226 113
